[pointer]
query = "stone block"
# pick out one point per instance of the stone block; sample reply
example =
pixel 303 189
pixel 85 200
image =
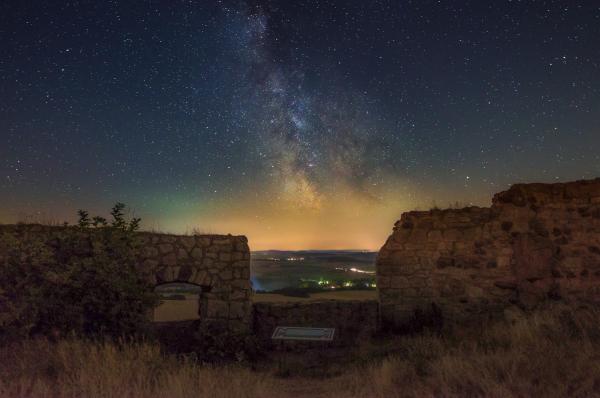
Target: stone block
pixel 168 238
pixel 200 278
pixel 239 309
pixel 239 295
pixel 222 241
pixel 237 256
pixel 203 241
pixel 434 235
pixel 226 274
pixel 216 309
pixel 150 264
pixel 188 242
pixel 452 234
pixel 197 253
pixel 242 247
pixel 185 273
pixel 182 254
pixel 165 248
pixel 149 252
pixel 169 260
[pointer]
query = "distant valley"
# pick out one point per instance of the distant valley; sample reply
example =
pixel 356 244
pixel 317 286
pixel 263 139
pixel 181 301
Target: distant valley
pixel 279 269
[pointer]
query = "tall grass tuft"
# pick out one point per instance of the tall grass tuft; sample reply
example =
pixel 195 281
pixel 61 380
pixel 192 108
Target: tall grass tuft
pixel 552 353
pixel 78 368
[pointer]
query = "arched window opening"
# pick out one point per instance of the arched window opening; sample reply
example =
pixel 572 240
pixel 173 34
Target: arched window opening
pixel 179 301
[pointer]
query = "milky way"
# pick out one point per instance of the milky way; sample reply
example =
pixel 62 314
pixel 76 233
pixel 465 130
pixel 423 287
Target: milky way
pixel 301 124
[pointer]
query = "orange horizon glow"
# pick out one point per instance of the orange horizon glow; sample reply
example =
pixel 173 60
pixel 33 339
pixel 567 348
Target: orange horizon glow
pixel 295 217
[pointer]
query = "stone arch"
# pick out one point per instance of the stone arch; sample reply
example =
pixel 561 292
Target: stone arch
pixel 218 263
pixel 179 301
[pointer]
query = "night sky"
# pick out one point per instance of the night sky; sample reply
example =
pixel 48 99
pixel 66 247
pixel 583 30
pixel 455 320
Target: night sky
pixel 301 124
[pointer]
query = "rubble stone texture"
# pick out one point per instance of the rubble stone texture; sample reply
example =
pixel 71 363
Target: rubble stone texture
pixel 537 242
pixel 220 264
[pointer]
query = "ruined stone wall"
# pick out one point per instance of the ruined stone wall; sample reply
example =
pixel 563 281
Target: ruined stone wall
pixel 218 263
pixel 537 242
pixel 352 319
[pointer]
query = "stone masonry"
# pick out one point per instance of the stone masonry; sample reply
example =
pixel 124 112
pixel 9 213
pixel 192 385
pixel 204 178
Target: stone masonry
pixel 220 264
pixel 537 242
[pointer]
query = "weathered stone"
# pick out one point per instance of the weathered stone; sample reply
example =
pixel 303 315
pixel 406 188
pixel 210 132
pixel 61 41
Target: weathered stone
pixel 162 275
pixel 241 247
pixel 165 248
pixel 169 260
pixel 182 254
pixel 149 251
pixel 238 310
pixel 212 254
pixel 185 273
pixel 197 253
pixel 203 241
pixel 237 256
pixel 168 239
pixel 226 274
pixel 173 273
pixel 537 241
pixel 150 264
pixel 240 295
pixel 200 278
pixel 216 309
pixel 188 242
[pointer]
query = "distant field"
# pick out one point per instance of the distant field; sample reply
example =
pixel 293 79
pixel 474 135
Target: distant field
pixel 272 270
pixel 177 310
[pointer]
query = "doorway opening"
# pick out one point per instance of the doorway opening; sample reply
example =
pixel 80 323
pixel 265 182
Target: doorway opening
pixel 179 301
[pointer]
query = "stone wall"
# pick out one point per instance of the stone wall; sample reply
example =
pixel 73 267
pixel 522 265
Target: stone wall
pixel 352 319
pixel 537 242
pixel 218 263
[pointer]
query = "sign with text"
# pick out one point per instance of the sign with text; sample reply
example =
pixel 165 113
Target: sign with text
pixel 300 333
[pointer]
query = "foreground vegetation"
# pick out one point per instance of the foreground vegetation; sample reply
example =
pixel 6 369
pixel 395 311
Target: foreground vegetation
pixel 554 353
pixel 84 279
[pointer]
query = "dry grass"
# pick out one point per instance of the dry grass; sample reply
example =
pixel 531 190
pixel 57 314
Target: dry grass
pixel 551 354
pixel 555 353
pixel 73 368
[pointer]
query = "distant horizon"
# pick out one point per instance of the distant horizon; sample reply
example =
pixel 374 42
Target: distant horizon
pixel 73 224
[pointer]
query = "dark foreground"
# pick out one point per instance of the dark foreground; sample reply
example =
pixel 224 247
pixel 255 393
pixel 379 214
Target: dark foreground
pixel 553 353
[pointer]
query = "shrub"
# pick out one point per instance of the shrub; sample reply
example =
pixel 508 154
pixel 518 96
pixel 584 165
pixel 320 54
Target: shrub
pixel 78 280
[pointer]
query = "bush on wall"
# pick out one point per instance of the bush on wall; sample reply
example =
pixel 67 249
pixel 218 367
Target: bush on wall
pixel 80 280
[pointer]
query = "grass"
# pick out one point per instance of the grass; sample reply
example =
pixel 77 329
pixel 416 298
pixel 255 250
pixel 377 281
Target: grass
pixel 554 353
pixel 75 368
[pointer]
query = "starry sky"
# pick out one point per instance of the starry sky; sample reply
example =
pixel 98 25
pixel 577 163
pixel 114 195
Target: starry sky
pixel 301 124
